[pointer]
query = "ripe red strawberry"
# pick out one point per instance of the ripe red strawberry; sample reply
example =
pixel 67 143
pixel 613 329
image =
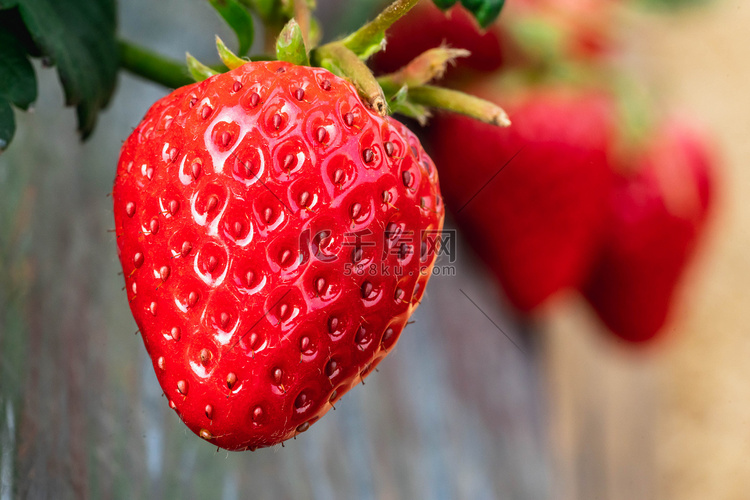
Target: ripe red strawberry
pixel 426 27
pixel 243 206
pixel 531 198
pixel 657 216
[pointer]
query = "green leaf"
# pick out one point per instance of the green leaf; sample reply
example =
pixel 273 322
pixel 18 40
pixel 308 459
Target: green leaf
pixel 266 9
pixel 11 22
pixel 78 36
pixel 17 79
pixel 7 124
pixel 485 11
pixel 17 84
pixel 239 19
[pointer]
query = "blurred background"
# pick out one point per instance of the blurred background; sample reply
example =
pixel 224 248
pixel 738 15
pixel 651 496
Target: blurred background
pixel 475 403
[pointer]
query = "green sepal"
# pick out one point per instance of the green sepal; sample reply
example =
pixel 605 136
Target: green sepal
pixel 290 46
pixel 341 61
pixel 330 65
pixel 197 69
pixel 484 11
pixel 401 104
pixel 228 57
pixel 458 102
pixel 239 19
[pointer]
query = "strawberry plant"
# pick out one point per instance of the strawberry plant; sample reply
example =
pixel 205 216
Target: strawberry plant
pixel 276 228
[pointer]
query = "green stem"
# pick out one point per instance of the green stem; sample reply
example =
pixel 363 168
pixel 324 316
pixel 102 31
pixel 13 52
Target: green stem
pixel 429 65
pixel 152 66
pixel 372 33
pixel 338 59
pixel 458 102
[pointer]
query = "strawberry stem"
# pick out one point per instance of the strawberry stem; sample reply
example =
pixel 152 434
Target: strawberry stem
pixel 370 38
pixel 152 66
pixel 341 61
pixel 458 102
pixel 302 15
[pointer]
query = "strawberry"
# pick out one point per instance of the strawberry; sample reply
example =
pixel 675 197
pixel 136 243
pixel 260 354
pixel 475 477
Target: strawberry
pixel 657 216
pixel 531 198
pixel 581 29
pixel 274 236
pixel 426 27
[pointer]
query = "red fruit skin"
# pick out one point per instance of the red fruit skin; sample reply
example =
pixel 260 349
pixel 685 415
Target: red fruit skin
pixel 426 27
pixel 534 219
pixel 657 218
pixel 233 202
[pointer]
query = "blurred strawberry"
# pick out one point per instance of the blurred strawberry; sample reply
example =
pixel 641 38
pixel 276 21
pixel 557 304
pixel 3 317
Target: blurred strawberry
pixel 529 32
pixel 426 27
pixel 657 217
pixel 532 198
pixel 577 29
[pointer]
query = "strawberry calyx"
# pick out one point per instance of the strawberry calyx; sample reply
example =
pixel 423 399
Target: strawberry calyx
pixel 229 58
pixel 406 91
pixel 341 61
pixel 409 94
pixel 429 65
pixel 290 46
pixel 197 69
